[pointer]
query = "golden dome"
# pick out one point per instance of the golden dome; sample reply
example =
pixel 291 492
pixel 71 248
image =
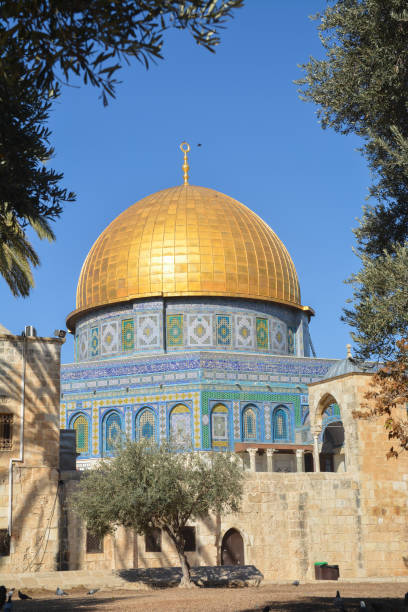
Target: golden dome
pixel 186 241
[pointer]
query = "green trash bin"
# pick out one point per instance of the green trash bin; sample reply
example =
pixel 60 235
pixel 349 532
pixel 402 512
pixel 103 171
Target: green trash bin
pixel 324 571
pixel 319 570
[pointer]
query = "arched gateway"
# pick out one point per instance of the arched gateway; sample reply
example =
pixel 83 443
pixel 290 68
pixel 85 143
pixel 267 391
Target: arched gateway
pixel 232 548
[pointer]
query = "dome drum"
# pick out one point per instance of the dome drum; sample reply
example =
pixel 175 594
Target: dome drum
pixel 188 324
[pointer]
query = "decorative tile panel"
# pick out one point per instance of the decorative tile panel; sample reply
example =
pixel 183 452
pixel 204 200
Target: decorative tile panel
pixel 279 336
pixel 128 334
pixel 95 428
pixel 162 423
pixel 94 341
pixel 244 331
pixel 199 330
pixel 224 336
pixel 128 422
pixel 267 419
pixel 148 331
pixel 262 333
pixel 291 341
pixel 196 417
pixel 82 345
pixel 237 425
pixel 63 416
pixel 175 330
pixel 109 338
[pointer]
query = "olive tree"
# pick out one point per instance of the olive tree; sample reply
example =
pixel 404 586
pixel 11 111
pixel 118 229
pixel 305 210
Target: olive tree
pixel 146 485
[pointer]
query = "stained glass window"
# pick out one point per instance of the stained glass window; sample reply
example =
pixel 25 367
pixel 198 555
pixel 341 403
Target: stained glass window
pixel 280 425
pixel 219 425
pixel 113 428
pixel 180 424
pixel 145 425
pixel 249 424
pixel 82 429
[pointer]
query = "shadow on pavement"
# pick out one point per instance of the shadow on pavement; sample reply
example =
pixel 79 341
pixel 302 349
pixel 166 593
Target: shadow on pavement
pixel 89 603
pixel 205 576
pixel 325 604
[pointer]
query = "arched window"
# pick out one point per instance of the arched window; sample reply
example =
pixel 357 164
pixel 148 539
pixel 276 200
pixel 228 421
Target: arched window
pixel 112 430
pixel 145 425
pixel 280 425
pixel 81 426
pixel 219 425
pixel 249 424
pixel 180 425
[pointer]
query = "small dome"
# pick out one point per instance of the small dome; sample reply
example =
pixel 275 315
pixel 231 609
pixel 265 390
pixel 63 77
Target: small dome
pixel 186 241
pixel 347 366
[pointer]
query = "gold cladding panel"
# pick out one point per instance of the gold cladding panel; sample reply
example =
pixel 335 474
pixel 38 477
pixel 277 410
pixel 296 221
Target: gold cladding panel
pixel 187 240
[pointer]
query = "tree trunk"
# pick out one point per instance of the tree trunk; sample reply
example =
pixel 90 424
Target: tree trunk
pixel 185 566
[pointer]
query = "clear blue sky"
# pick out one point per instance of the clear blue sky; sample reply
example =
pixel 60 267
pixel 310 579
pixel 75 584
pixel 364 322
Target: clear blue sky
pixel 260 145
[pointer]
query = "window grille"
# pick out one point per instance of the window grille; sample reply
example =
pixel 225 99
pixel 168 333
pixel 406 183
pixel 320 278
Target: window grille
pixel 153 540
pixel 113 429
pixel 94 543
pixel 6 431
pixel 4 543
pixel 249 424
pixel 280 425
pixel 189 535
pixel 146 425
pixel 81 428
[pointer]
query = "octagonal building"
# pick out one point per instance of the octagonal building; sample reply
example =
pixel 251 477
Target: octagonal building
pixel 189 322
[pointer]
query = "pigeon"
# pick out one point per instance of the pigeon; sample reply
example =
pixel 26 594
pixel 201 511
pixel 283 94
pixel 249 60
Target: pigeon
pixel 23 595
pixel 338 602
pixel 60 592
pixel 92 591
pixel 296 583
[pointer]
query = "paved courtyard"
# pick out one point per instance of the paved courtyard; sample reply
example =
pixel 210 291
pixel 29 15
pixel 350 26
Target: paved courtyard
pixel 311 597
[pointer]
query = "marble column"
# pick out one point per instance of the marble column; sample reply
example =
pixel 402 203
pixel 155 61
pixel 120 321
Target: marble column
pixel 300 460
pixel 316 459
pixel 252 459
pixel 269 459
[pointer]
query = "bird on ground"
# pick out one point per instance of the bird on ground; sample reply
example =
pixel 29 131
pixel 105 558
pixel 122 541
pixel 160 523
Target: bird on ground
pixel 23 595
pixel 92 591
pixel 338 602
pixel 3 596
pixel 60 592
pixel 296 583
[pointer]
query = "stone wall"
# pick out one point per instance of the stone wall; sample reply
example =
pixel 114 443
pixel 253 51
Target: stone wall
pixel 35 510
pixel 288 522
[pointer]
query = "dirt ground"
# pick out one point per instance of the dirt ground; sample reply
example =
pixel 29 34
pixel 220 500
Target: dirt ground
pixel 305 597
